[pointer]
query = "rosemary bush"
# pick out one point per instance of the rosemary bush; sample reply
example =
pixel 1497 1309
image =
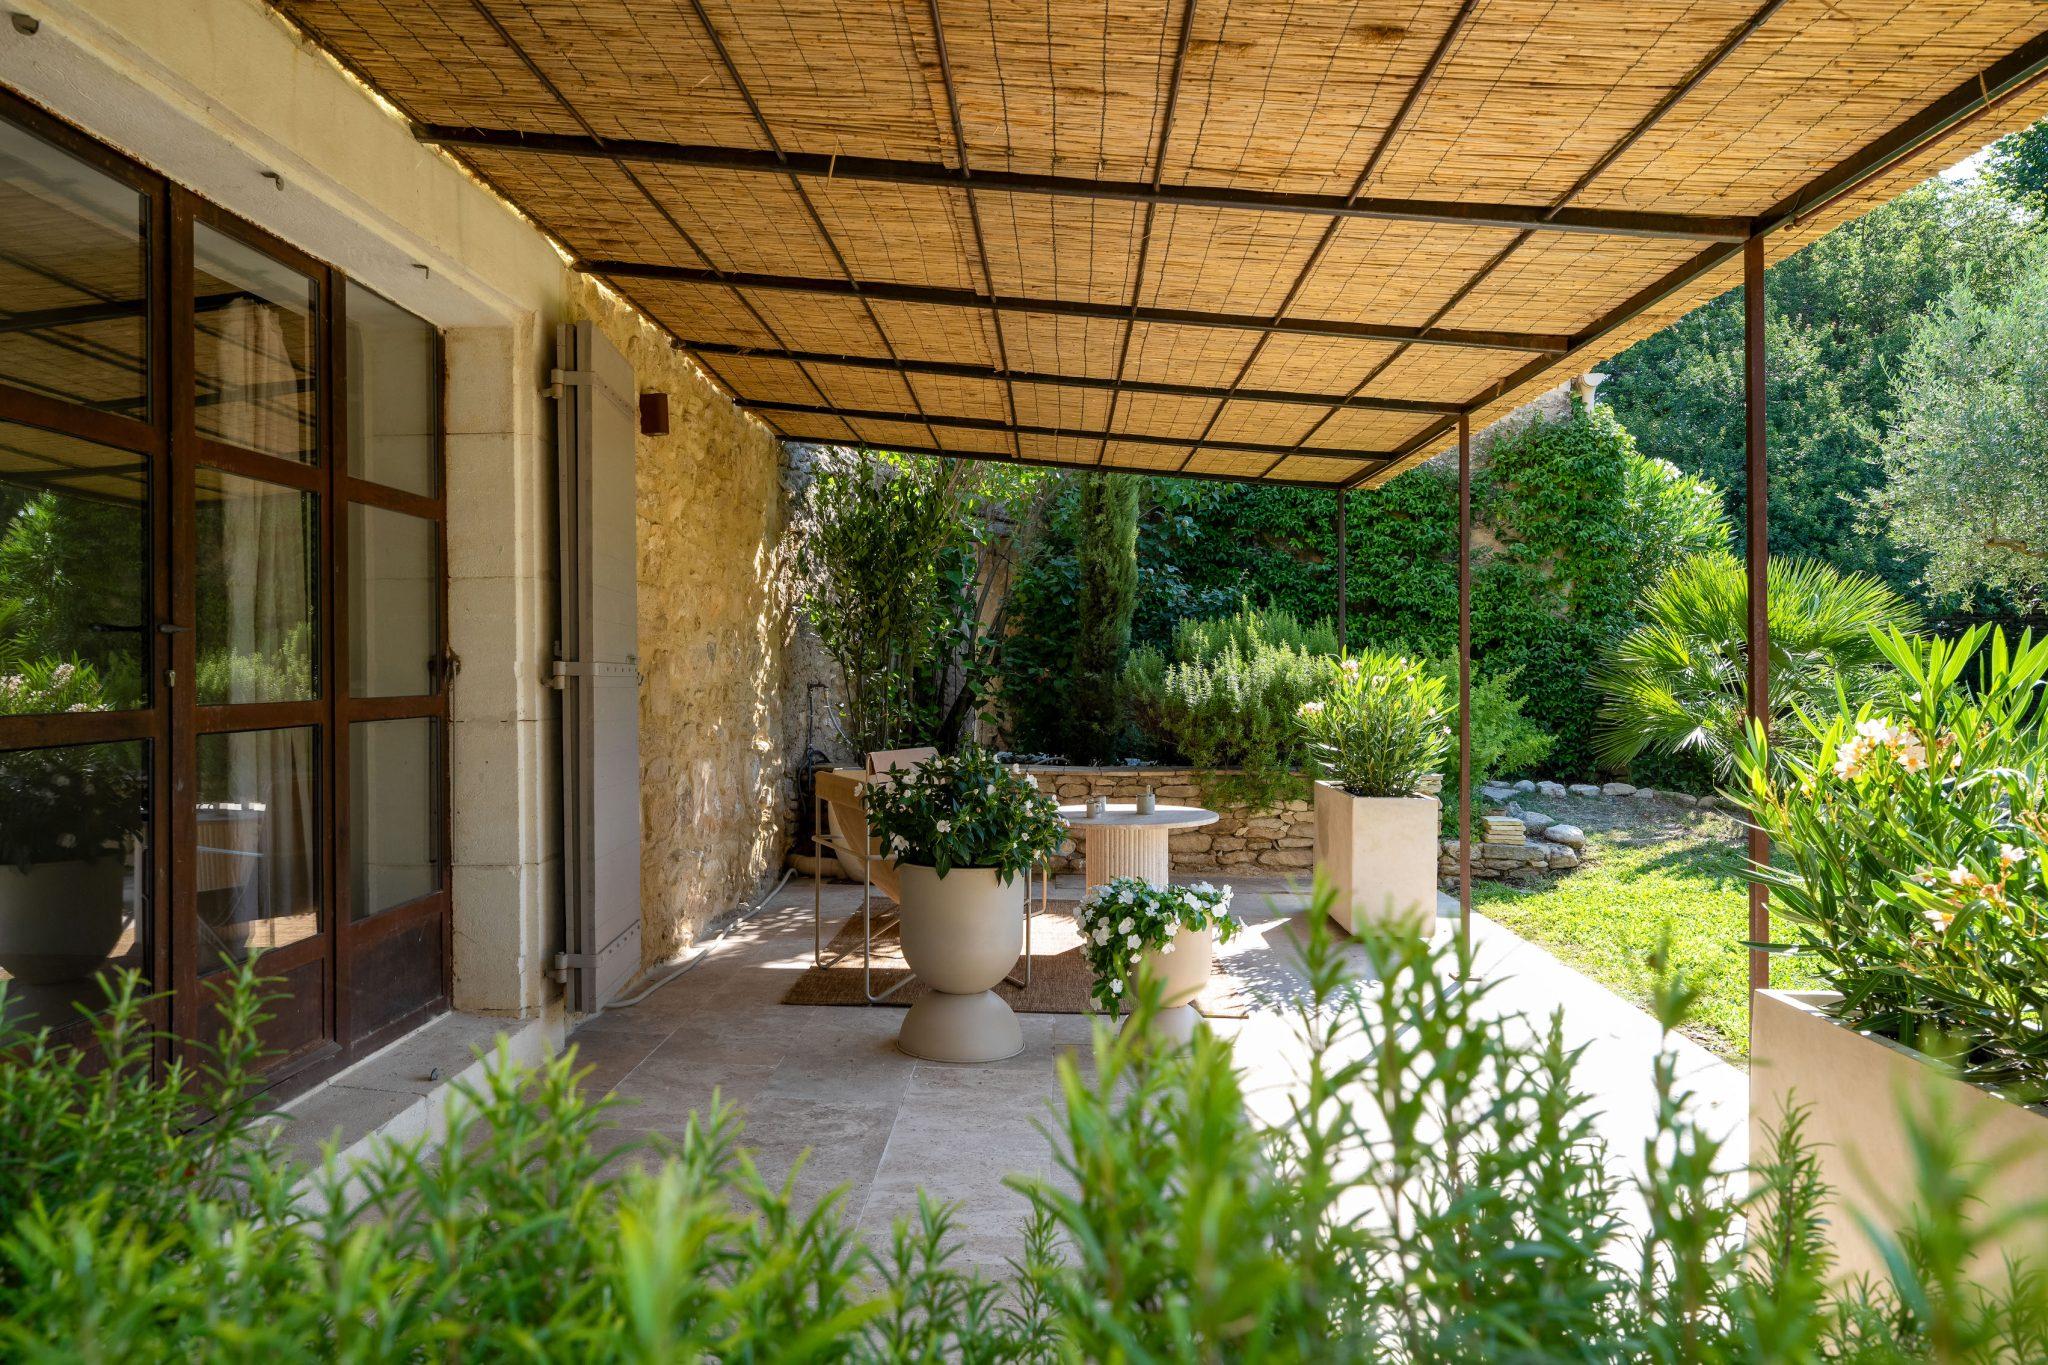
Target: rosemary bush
pixel 965 810
pixel 1911 851
pixel 1435 1192
pixel 1384 727
pixel 1125 918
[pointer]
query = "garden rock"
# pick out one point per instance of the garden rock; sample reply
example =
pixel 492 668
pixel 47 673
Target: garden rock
pixel 1562 857
pixel 1569 835
pixel 1497 793
pixel 1535 821
pixel 1525 785
pixel 1646 794
pixel 1583 789
pixel 1550 788
pixel 1680 798
pixel 1617 789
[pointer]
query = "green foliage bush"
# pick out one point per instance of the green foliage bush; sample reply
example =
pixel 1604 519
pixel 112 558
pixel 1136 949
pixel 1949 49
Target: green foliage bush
pixel 1910 836
pixel 1434 1191
pixel 1229 696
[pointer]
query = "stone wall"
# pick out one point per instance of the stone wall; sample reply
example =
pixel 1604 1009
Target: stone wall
pixel 1278 839
pixel 714 644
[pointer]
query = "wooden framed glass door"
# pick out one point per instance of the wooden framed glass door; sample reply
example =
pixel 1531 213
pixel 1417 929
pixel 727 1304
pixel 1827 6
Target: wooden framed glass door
pixel 223 656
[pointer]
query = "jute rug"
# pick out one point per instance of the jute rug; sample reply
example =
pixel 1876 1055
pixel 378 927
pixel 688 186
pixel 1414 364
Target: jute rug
pixel 1059 974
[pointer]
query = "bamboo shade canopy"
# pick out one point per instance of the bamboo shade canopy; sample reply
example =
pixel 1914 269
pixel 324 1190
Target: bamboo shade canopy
pixel 1289 240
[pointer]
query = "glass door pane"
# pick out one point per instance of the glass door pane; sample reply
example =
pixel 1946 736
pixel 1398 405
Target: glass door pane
pixel 73 278
pixel 255 336
pixel 256 875
pixel 74 875
pixel 258 588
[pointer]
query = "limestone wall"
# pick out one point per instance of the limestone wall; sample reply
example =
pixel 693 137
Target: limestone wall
pixel 1277 840
pixel 714 644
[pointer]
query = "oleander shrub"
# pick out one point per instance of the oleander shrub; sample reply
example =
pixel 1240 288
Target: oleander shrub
pixel 1383 729
pixel 1910 838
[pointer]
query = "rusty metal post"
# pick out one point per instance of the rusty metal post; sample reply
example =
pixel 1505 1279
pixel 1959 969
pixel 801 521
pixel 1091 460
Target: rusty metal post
pixel 1343 575
pixel 1464 680
pixel 1755 508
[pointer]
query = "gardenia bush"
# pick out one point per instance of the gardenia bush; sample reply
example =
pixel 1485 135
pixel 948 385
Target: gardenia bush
pixel 1123 919
pixel 965 810
pixel 1910 839
pixel 1382 730
pixel 1433 1192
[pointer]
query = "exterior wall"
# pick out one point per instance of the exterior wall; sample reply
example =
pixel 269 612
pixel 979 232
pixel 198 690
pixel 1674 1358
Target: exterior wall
pixel 1268 840
pixel 220 95
pixel 714 643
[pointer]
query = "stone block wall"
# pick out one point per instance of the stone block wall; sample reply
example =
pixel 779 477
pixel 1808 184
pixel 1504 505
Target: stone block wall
pixel 714 643
pixel 1278 840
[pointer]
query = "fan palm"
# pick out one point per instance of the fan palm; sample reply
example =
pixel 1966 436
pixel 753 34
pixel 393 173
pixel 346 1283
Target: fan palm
pixel 1678 682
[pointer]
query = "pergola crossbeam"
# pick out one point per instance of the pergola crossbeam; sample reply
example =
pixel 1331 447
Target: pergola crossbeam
pixel 1549 343
pixel 948 369
pixel 938 175
pixel 1143 438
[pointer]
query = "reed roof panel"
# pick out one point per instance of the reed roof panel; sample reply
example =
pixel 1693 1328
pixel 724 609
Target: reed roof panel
pixel 666 142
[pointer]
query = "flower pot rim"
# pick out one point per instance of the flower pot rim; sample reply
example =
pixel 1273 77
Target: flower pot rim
pixel 1342 790
pixel 1810 1003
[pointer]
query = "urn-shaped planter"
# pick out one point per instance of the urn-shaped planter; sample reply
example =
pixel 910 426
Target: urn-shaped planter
pixel 1851 1086
pixel 59 921
pixel 962 933
pixel 1379 853
pixel 1182 974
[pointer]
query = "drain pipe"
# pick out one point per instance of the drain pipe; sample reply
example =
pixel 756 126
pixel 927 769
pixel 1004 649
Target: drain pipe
pixel 746 913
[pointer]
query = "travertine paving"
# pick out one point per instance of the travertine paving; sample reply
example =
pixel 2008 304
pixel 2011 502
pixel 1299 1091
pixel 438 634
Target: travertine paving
pixel 829 1081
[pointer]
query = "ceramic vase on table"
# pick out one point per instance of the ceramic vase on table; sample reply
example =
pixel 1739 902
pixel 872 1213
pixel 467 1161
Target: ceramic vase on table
pixel 962 933
pixel 1182 974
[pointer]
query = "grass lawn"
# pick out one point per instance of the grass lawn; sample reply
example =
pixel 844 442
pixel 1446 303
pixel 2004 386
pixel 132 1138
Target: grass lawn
pixel 1651 868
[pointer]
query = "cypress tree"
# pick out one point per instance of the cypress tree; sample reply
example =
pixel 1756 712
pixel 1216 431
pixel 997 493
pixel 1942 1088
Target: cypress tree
pixel 1107 548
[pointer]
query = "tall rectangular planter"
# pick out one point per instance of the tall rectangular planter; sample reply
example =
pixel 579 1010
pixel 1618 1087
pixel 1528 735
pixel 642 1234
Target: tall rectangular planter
pixel 1379 853
pixel 1852 1086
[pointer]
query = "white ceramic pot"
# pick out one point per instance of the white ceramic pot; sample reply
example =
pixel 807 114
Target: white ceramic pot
pixel 962 933
pixel 1851 1086
pixel 1182 974
pixel 58 921
pixel 1379 853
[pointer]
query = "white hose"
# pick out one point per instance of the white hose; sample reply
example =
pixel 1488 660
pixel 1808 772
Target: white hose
pixel 747 912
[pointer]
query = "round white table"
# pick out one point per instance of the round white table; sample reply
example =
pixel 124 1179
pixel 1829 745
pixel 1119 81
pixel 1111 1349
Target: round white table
pixel 1121 842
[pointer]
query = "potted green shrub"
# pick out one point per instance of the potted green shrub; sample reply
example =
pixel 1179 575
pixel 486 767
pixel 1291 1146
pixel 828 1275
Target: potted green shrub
pixel 964 831
pixel 1377 740
pixel 1910 837
pixel 1132 929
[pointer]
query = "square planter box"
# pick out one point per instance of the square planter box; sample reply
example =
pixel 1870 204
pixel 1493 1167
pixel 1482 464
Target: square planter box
pixel 1379 852
pixel 1851 1086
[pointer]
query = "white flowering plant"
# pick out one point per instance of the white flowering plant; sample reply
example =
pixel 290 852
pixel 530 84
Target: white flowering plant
pixel 965 810
pixel 1383 730
pixel 1910 837
pixel 1126 917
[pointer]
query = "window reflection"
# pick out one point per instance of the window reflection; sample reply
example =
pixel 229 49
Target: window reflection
pixel 74 321
pixel 253 324
pixel 258 590
pixel 391 394
pixel 73 594
pixel 394 827
pixel 256 874
pixel 394 617
pixel 74 881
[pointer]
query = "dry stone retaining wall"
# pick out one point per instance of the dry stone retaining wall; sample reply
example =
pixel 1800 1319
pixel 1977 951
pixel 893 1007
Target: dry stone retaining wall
pixel 1277 839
